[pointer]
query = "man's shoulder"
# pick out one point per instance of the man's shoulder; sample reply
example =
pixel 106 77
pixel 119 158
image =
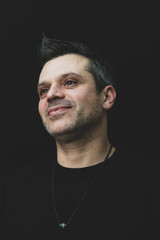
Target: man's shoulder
pixel 22 159
pixel 133 161
pixel 133 154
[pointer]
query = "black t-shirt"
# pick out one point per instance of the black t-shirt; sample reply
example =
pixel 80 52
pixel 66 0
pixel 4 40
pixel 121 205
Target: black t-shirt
pixel 118 205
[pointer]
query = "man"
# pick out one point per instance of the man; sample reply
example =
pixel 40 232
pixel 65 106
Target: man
pixel 73 109
pixel 87 188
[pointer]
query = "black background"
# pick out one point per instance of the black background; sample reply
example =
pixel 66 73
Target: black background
pixel 125 31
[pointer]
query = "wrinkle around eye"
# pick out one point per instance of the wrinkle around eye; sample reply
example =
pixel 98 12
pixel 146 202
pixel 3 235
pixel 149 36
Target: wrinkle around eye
pixel 73 82
pixel 43 92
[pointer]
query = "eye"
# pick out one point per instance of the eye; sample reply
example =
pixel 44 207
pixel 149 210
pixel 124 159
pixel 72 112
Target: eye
pixel 43 91
pixel 70 82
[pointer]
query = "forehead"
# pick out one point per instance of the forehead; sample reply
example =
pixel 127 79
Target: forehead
pixel 63 64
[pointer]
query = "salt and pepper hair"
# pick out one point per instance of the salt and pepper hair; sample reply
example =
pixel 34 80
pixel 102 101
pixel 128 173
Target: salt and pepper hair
pixel 99 66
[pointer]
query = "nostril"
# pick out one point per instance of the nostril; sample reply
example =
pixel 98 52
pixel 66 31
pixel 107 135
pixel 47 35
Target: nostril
pixel 52 95
pixel 52 98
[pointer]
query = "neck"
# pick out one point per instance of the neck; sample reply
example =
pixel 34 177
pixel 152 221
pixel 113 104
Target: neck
pixel 84 152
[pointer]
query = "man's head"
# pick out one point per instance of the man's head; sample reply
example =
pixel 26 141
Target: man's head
pixel 98 64
pixel 75 89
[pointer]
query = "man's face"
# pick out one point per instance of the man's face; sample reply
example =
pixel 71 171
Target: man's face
pixel 69 102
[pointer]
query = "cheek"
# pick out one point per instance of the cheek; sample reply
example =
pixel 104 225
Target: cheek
pixel 41 108
pixel 85 95
pixel 89 98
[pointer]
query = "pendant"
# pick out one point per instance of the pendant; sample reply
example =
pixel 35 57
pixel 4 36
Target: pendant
pixel 62 225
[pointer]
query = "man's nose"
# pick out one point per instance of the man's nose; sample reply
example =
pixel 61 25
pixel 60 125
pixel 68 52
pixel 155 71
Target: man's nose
pixel 54 92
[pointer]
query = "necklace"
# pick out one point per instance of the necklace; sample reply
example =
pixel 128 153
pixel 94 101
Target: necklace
pixel 63 225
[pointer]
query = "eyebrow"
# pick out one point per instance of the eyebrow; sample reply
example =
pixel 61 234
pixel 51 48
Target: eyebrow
pixel 61 76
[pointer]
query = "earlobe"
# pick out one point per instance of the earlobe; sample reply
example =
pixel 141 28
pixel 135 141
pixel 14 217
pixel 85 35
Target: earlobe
pixel 109 97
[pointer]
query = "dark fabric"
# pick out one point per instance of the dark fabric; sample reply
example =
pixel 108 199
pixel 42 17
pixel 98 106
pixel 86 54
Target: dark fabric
pixel 117 206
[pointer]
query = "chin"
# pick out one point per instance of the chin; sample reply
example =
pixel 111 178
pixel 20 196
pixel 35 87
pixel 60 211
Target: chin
pixel 63 135
pixel 59 131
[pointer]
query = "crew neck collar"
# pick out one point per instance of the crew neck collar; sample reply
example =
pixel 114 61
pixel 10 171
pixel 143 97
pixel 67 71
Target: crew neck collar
pixel 87 168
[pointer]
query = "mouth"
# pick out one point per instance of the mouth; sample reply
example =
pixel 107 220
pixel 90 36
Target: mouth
pixel 57 110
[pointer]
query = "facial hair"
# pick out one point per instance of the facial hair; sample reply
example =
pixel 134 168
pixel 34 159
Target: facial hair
pixel 78 124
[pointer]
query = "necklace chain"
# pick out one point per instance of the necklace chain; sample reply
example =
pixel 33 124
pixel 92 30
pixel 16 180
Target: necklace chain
pixel 64 225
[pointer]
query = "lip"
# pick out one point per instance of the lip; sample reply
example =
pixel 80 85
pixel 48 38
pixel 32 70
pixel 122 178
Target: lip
pixel 58 109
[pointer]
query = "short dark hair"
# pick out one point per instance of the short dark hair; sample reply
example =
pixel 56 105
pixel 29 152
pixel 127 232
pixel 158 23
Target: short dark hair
pixel 99 66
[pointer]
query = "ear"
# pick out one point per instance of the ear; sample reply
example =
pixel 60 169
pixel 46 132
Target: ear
pixel 109 97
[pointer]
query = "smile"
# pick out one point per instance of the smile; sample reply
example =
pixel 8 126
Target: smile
pixel 57 110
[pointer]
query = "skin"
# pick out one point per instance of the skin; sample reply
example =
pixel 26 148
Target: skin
pixel 73 112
